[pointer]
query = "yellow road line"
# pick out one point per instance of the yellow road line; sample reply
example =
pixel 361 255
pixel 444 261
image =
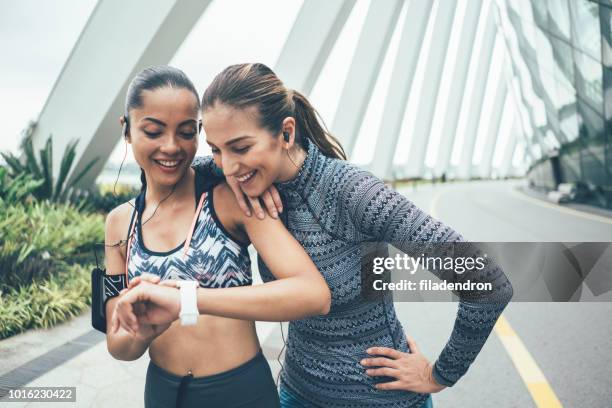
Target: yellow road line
pixel 541 392
pixel 560 208
pixel 533 377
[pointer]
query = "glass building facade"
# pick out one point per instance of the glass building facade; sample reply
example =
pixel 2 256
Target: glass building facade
pixel 566 46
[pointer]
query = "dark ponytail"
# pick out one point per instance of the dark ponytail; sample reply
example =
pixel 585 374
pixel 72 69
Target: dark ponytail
pixel 311 125
pixel 244 85
pixel 150 79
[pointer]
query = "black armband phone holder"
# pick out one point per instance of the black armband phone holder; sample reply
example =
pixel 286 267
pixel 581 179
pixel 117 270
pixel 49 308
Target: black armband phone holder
pixel 103 288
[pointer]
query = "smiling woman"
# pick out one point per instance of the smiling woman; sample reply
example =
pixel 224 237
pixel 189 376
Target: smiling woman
pixel 171 113
pixel 333 208
pixel 167 242
pixel 246 156
pixel 240 120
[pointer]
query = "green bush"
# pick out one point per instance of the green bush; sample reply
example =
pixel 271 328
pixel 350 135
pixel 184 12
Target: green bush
pixel 43 247
pixel 45 303
pixel 37 239
pixel 45 240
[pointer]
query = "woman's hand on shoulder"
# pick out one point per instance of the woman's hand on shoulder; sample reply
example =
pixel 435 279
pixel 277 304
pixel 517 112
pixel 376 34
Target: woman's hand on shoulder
pixel 270 198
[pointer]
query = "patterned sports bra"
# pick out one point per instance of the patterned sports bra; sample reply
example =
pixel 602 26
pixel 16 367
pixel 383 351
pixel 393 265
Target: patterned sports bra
pixel 209 254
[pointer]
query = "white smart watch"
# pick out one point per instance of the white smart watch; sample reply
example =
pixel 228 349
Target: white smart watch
pixel 189 303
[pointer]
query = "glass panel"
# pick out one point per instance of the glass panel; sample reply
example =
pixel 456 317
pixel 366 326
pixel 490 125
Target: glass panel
pixel 559 19
pixel 606 44
pixel 564 61
pixel 585 19
pixel 607 93
pixel 523 8
pixel 530 32
pixel 540 14
pixel 606 35
pixel 604 2
pixel 607 187
pixel 551 141
pixel 570 167
pixel 567 48
pixel 546 67
pixel 524 27
pixel 589 80
pixel 591 124
pixel 593 164
pixel 536 151
pixel 567 112
pixel 544 53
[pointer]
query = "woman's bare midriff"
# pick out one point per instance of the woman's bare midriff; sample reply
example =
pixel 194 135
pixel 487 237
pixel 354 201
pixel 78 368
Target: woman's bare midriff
pixel 212 346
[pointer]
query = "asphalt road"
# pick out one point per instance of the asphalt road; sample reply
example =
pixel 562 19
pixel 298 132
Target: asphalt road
pixel 571 343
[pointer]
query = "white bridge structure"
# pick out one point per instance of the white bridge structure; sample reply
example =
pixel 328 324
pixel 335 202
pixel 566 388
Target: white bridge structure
pixel 463 37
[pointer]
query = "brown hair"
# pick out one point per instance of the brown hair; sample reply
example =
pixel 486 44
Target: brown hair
pixel 245 85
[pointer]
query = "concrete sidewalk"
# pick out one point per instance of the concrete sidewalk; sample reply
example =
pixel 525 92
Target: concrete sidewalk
pixel 73 354
pixel 100 380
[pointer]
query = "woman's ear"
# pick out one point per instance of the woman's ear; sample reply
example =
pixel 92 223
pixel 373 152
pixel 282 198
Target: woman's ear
pixel 125 131
pixel 288 130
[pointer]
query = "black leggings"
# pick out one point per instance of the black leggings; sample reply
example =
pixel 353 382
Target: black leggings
pixel 249 385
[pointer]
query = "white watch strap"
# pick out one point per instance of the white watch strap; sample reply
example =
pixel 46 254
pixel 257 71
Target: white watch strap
pixel 189 303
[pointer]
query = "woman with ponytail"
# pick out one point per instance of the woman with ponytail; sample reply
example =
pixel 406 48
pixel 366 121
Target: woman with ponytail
pixel 263 134
pixel 185 230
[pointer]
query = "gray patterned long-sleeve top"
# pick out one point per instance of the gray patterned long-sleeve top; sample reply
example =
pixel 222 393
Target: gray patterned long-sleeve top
pixel 331 208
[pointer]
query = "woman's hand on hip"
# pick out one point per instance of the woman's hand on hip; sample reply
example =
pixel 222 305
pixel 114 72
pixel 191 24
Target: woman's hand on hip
pixel 412 371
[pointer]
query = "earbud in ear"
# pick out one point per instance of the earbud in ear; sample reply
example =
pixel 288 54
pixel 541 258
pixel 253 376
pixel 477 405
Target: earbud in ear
pixel 126 126
pixel 286 137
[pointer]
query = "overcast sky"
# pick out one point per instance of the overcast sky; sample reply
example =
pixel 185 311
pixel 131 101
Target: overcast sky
pixel 35 40
pixel 36 37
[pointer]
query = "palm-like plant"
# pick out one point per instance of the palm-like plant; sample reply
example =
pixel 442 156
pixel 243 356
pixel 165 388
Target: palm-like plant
pixel 43 170
pixel 18 189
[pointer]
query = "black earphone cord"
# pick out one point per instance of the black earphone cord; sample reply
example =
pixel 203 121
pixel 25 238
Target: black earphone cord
pixel 124 242
pixel 278 358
